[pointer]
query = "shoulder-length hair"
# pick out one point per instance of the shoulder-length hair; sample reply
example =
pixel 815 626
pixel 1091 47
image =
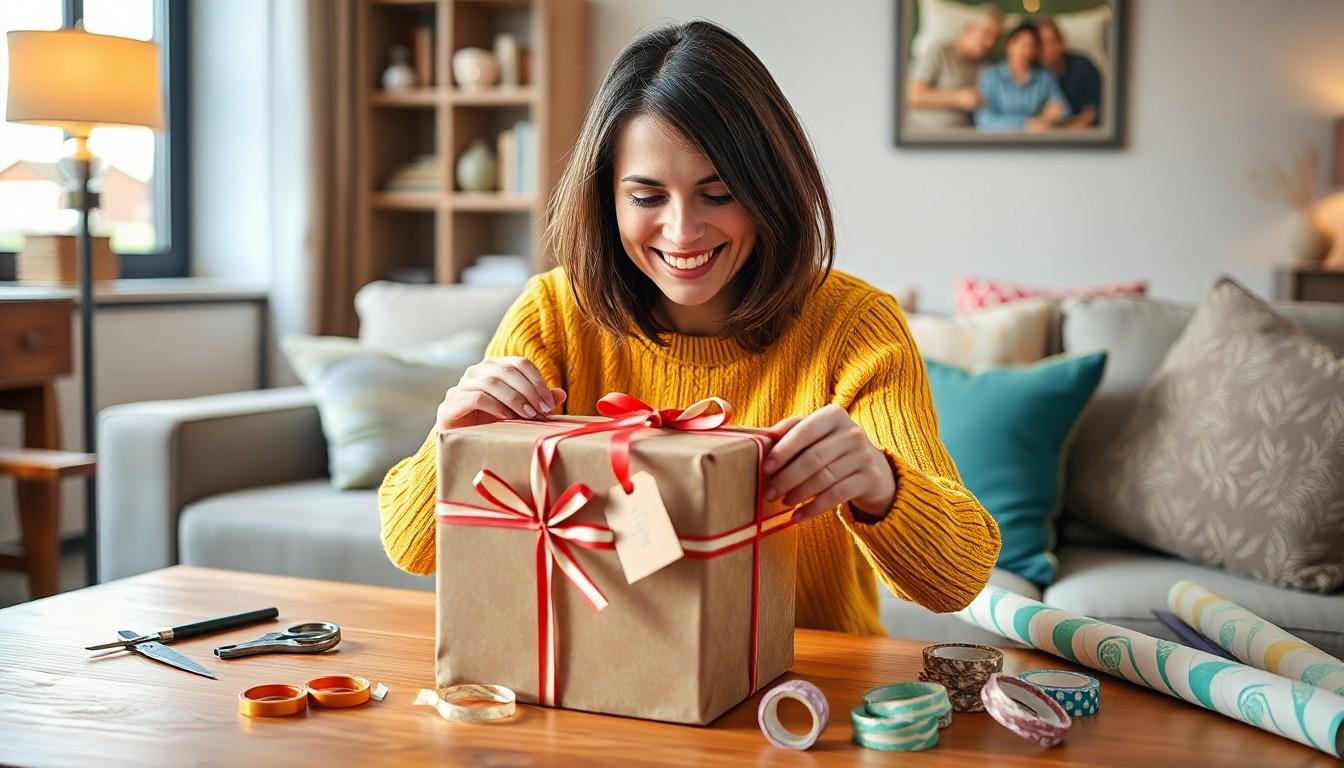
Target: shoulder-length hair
pixel 703 81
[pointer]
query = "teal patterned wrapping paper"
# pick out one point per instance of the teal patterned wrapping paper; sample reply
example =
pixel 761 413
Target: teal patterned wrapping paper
pixel 1254 640
pixel 1289 708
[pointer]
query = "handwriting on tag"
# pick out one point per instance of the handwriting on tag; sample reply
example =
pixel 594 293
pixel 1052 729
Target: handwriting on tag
pixel 645 538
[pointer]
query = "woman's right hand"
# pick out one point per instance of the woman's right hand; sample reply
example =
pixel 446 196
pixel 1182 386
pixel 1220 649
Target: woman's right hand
pixel 495 389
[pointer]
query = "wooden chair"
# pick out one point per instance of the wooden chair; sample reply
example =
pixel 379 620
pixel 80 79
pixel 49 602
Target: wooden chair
pixel 39 473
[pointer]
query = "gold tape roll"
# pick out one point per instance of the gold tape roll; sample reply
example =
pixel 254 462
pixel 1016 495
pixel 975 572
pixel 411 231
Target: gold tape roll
pixel 339 691
pixel 470 703
pixel 272 701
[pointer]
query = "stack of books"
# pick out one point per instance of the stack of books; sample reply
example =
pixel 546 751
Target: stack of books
pixel 422 174
pixel 517 150
pixel 53 260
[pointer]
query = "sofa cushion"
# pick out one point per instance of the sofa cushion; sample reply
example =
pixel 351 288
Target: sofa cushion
pixel 902 618
pixel 1123 586
pixel 1136 334
pixel 1012 334
pixel 296 529
pixel 395 315
pixel 376 404
pixel 1234 454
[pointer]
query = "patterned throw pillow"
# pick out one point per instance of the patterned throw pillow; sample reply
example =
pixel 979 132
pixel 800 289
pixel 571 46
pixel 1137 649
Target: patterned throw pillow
pixel 1012 334
pixel 977 293
pixel 1234 456
pixel 376 405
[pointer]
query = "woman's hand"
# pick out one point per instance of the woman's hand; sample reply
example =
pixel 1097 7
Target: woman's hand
pixel 828 458
pixel 495 389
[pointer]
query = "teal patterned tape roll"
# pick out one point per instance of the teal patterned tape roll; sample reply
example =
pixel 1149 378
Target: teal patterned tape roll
pixel 892 734
pixel 1294 710
pixel 908 701
pixel 1078 694
pixel 901 717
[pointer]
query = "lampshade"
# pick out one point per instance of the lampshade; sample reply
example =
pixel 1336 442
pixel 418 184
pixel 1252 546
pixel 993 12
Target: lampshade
pixel 1339 151
pixel 77 80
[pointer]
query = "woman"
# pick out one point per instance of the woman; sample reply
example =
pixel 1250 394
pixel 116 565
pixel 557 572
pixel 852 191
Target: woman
pixel 1019 95
pixel 694 240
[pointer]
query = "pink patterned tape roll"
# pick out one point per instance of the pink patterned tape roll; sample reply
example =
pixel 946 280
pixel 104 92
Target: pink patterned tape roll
pixel 802 691
pixel 1038 718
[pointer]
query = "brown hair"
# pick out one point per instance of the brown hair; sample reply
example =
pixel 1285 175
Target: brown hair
pixel 706 83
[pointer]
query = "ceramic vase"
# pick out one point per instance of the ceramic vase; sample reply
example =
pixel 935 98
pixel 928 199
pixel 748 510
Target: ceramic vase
pixel 1308 240
pixel 477 169
pixel 475 68
pixel 399 75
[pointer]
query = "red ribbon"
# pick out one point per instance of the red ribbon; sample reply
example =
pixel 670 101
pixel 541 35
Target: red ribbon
pixel 508 509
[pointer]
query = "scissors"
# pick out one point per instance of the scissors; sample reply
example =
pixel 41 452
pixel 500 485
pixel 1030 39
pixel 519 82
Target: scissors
pixel 313 637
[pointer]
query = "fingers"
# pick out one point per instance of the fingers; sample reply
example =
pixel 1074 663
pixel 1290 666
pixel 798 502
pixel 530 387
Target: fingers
pixel 848 488
pixel 845 462
pixel 509 380
pixel 804 433
pixel 558 396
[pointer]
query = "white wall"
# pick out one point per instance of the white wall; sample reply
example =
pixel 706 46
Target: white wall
pixel 249 154
pixel 1215 87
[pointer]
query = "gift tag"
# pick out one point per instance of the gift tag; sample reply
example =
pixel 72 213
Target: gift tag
pixel 645 538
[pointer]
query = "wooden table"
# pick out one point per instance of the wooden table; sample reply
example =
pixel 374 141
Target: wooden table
pixel 61 705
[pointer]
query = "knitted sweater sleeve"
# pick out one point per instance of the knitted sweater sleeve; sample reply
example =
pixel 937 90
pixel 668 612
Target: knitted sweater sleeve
pixel 937 545
pixel 407 495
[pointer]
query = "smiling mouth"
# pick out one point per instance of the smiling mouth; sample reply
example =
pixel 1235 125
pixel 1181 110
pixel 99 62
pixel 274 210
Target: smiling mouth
pixel 689 261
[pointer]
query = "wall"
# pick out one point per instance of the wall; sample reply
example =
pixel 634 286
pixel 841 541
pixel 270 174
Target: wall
pixel 1215 87
pixel 249 153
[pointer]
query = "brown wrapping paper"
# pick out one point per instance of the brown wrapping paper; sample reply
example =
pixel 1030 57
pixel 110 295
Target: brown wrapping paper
pixel 675 646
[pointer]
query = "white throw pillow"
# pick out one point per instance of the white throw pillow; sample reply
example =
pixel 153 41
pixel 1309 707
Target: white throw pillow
pixel 1007 334
pixel 377 405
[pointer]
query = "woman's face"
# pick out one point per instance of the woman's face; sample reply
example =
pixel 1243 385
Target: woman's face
pixel 678 222
pixel 1022 49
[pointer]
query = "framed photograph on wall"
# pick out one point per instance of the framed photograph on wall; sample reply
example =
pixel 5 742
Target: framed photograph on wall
pixel 1010 73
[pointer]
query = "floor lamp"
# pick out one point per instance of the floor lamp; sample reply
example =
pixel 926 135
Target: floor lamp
pixel 78 81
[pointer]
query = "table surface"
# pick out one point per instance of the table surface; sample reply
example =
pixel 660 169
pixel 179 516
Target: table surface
pixel 62 705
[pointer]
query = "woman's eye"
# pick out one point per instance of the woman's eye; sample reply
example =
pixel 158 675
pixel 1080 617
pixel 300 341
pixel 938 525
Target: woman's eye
pixel 646 200
pixel 719 199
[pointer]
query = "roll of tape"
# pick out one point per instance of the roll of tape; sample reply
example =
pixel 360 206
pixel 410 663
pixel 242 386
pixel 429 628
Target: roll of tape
pixel 963 669
pixel 906 702
pixel 811 697
pixel 1025 710
pixel 470 703
pixel 892 734
pixel 273 700
pixel 945 720
pixel 1076 693
pixel 339 691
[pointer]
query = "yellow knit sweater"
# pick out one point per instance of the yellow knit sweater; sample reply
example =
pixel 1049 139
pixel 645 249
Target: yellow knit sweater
pixel 850 346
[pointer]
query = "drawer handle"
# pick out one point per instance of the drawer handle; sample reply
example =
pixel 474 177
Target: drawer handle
pixel 32 340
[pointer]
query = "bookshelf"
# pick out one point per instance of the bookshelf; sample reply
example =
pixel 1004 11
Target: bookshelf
pixel 436 233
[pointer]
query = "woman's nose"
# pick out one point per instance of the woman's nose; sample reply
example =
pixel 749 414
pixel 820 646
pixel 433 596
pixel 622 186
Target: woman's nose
pixel 682 227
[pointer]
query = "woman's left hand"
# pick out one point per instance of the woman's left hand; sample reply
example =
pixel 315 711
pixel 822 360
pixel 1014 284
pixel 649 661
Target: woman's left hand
pixel 828 458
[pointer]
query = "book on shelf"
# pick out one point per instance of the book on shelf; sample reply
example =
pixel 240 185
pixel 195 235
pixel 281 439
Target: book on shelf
pixel 525 157
pixel 505 150
pixel 422 55
pixel 54 260
pixel 420 175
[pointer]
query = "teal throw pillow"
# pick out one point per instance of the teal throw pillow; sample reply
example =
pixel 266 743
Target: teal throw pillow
pixel 1007 430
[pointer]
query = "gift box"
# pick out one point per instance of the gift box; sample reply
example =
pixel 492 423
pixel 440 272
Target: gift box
pixel 545 608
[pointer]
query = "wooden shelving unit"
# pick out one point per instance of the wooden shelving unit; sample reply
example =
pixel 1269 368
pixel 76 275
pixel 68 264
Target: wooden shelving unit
pixel 442 232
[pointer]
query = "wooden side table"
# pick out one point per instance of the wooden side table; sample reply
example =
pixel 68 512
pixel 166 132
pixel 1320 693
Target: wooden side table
pixel 39 473
pixel 1295 283
pixel 36 349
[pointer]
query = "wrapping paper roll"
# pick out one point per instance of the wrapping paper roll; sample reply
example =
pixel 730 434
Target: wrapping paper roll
pixel 1276 704
pixel 1253 640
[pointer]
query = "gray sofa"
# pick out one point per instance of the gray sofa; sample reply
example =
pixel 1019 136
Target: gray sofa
pixel 239 481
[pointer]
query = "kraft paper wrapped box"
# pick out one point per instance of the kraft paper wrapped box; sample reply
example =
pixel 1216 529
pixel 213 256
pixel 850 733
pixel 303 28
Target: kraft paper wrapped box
pixel 675 646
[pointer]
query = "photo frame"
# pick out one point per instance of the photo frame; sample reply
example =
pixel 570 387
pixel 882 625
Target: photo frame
pixel 1010 73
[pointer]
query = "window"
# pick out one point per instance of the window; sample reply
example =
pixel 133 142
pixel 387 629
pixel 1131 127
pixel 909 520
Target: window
pixel 143 175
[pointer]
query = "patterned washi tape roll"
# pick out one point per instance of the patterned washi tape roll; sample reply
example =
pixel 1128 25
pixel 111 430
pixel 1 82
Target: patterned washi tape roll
pixel 1025 710
pixel 767 716
pixel 892 734
pixel 963 668
pixel 1078 694
pixel 907 702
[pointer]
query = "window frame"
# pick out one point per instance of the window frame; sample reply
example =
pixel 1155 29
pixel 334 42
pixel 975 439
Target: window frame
pixel 172 151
